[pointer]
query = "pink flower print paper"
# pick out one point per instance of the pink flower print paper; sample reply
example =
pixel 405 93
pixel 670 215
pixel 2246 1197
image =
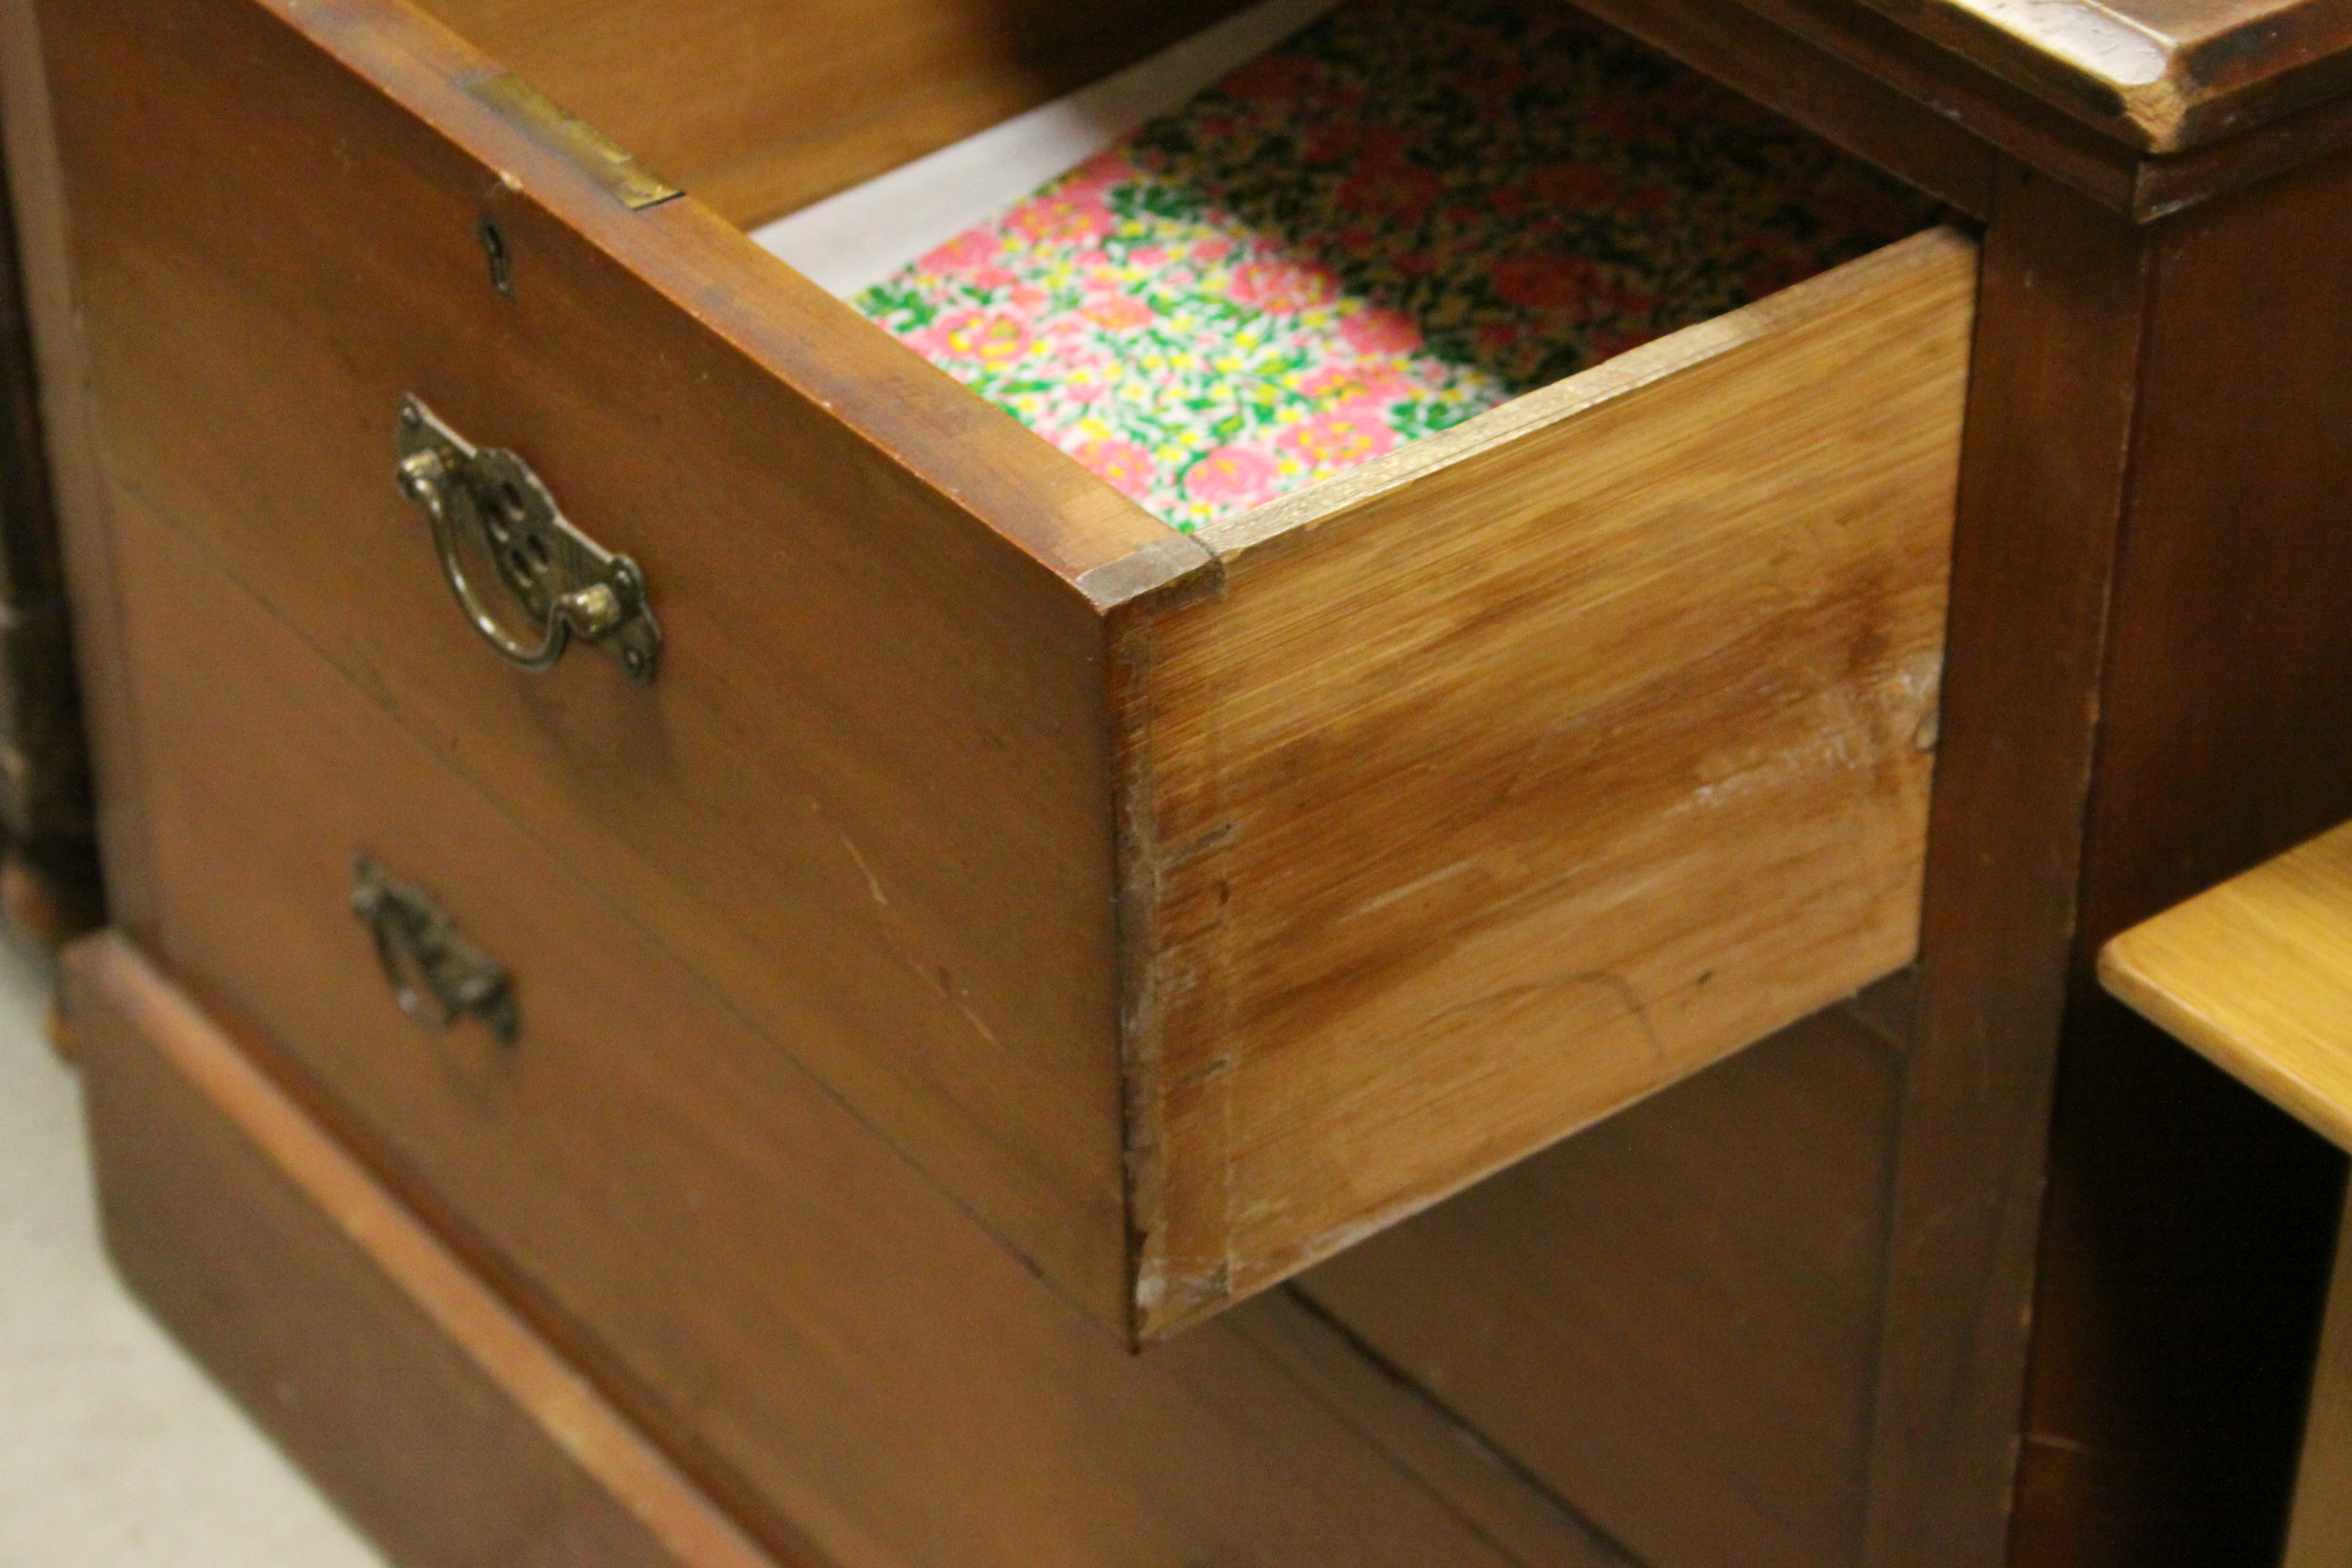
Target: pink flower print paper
pixel 1407 214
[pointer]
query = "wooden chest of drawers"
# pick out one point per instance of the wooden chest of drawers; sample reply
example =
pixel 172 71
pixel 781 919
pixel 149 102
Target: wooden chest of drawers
pixel 926 912
pixel 1183 906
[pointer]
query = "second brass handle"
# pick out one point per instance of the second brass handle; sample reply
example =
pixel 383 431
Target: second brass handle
pixel 569 586
pixel 436 975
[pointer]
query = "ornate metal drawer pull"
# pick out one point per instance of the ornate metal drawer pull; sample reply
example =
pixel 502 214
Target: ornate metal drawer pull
pixel 437 976
pixel 567 584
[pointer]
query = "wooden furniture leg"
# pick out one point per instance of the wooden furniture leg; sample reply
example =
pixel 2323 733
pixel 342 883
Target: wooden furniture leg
pixel 2320 1534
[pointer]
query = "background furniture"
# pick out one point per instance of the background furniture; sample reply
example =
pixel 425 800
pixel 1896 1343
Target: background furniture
pixel 2255 975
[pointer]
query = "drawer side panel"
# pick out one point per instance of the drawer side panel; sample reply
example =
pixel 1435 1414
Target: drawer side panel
pixel 1536 768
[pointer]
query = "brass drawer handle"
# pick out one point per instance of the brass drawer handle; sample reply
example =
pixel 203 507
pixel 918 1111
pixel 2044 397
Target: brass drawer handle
pixel 566 583
pixel 436 975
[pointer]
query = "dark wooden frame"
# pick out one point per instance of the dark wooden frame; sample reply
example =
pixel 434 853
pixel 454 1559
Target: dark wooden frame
pixel 2147 674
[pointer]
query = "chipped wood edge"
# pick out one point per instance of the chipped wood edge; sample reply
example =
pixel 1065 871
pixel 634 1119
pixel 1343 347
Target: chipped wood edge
pixel 2126 68
pixel 1845 287
pixel 2155 91
pixel 1144 577
pixel 1144 862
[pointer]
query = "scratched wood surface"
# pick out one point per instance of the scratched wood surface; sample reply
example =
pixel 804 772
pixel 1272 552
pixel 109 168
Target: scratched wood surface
pixel 1523 773
pixel 868 794
pixel 828 1343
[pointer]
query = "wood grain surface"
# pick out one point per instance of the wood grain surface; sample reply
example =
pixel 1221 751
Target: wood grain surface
pixel 1673 1318
pixel 2257 974
pixel 2186 1244
pixel 2049 429
pixel 1855 72
pixel 869 794
pixel 761 106
pixel 1929 142
pixel 1515 776
pixel 2160 74
pixel 821 1338
pixel 412 1396
pixel 869 798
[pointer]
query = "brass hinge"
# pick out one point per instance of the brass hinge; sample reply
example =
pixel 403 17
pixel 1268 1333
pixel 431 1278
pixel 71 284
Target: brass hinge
pixel 574 140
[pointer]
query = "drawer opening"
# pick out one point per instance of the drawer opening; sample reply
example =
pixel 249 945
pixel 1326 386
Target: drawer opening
pixel 1386 223
pixel 1290 241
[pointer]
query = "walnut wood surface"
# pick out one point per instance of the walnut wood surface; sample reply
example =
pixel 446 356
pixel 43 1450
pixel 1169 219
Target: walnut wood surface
pixel 2257 975
pixel 2188 1225
pixel 868 795
pixel 433 1416
pixel 2227 587
pixel 761 106
pixel 1853 73
pixel 1832 96
pixel 2049 423
pixel 824 1340
pixel 2161 74
pixel 767 104
pixel 1672 1319
pixel 1518 775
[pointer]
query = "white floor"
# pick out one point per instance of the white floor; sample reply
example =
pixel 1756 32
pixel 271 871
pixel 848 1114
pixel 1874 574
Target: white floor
pixel 114 1450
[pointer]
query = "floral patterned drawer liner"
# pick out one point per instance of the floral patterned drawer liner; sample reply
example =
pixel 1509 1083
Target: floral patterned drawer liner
pixel 1410 212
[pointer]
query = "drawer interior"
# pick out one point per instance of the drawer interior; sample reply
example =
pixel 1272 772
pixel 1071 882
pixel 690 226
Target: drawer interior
pixel 1297 240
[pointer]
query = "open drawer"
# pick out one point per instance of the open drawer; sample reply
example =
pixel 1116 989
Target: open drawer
pixel 1185 905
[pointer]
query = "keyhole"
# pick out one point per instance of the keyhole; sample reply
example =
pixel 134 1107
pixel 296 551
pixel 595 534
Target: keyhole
pixel 501 263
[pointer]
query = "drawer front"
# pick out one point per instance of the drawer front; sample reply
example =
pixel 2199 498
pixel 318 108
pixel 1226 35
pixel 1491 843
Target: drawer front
pixel 759 1273
pixel 434 1417
pixel 866 794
